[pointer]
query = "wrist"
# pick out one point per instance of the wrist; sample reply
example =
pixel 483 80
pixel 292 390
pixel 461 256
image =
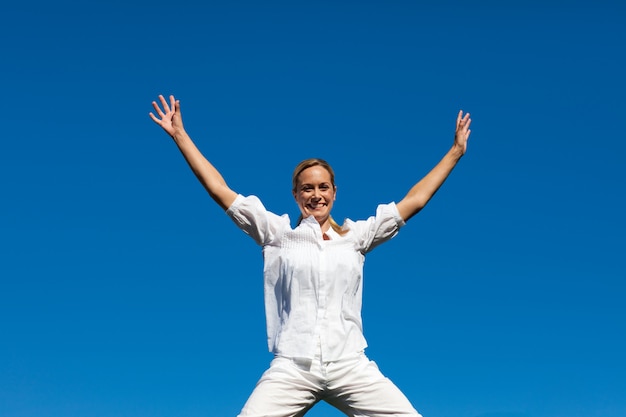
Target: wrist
pixel 457 151
pixel 179 135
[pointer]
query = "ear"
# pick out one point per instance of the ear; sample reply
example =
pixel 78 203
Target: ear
pixel 335 194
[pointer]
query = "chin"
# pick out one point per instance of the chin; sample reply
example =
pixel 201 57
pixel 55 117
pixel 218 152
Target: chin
pixel 321 218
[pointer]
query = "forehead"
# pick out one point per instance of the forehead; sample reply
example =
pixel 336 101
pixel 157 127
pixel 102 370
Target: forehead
pixel 314 175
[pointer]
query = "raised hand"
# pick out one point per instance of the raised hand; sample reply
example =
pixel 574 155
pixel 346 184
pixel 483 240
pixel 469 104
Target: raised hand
pixel 169 118
pixel 462 131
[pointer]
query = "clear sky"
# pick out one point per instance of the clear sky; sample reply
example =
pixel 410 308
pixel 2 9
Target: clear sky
pixel 125 291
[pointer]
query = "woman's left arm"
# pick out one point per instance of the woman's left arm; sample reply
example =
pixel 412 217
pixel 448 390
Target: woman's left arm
pixel 422 192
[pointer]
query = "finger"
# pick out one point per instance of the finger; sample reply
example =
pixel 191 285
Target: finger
pixel 158 109
pixel 153 117
pixel 172 103
pixel 164 104
pixel 458 117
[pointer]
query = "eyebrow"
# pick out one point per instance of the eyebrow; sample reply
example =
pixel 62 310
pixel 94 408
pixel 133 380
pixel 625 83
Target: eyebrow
pixel 308 184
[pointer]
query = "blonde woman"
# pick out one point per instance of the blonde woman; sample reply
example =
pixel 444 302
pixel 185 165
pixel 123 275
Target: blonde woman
pixel 312 281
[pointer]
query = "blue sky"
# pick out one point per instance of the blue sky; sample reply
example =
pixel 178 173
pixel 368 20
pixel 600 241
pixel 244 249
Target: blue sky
pixel 125 291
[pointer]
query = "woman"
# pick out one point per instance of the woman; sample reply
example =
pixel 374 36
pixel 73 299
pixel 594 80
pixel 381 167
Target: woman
pixel 312 282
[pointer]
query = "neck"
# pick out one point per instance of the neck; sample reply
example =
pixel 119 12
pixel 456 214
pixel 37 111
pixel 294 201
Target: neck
pixel 325 225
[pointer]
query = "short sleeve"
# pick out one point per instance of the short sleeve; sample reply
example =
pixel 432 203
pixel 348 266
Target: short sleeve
pixel 377 229
pixel 255 220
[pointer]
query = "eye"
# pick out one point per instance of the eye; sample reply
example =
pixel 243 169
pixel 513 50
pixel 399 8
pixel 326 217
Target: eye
pixel 306 188
pixel 324 187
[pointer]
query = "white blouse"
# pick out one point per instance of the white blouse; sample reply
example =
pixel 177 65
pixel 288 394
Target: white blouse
pixel 313 287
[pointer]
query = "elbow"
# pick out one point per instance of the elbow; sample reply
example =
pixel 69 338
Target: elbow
pixel 408 208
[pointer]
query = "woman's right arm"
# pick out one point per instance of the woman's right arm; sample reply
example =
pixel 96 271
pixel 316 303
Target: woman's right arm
pixel 169 118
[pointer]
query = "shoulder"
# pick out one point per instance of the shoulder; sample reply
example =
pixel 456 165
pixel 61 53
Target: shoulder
pixel 247 204
pixel 376 229
pixel 384 213
pixel 250 215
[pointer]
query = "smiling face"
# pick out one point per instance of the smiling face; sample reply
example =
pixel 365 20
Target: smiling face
pixel 315 192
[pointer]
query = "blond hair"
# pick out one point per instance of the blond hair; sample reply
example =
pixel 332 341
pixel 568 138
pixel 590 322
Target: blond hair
pixel 312 162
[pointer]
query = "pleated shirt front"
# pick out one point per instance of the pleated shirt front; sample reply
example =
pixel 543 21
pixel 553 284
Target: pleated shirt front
pixel 313 287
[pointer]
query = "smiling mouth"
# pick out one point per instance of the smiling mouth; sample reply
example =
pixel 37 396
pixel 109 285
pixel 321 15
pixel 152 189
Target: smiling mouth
pixel 316 205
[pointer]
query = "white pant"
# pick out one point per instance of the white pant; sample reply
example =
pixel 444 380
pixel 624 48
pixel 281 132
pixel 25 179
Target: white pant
pixel 355 386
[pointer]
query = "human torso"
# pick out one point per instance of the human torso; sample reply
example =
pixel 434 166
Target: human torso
pixel 313 287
